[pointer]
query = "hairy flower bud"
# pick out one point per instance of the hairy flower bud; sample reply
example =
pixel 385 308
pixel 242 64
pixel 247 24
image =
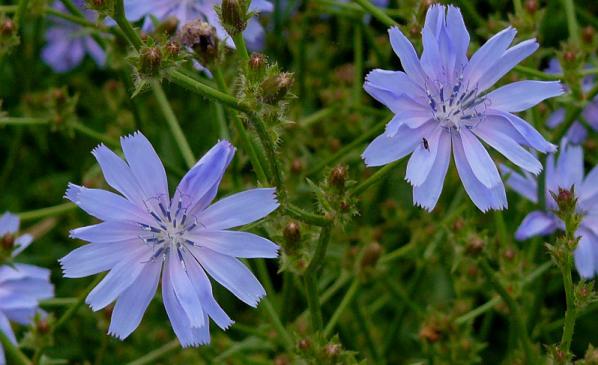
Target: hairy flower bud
pixel 173 48
pixel 338 177
pixel 151 58
pixel 371 255
pixel 304 344
pixel 257 61
pixel 565 200
pixel 531 6
pixel 7 27
pixel 475 246
pixel 296 166
pixel 233 16
pixel 332 350
pixel 292 235
pixel 587 34
pixel 274 88
pixel 429 334
pixel 42 326
pixel 201 37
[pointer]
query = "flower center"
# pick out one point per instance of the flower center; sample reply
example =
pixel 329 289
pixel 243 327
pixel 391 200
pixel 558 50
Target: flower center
pixel 456 106
pixel 169 229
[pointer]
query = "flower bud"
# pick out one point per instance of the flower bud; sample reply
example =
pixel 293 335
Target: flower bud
pixel 168 26
pixel 332 350
pixel 233 16
pixel 475 246
pixel 274 88
pixel 7 27
pixel 591 357
pixel 371 255
pixel 429 334
pixel 173 48
pixel 509 254
pixel 201 37
pixel 292 235
pixel 42 326
pixel 338 177
pixel 151 58
pixel 257 61
pixel 8 242
pixel 565 200
pixel 569 56
pixel 296 166
pixel 304 344
pixel 587 34
pixel 531 6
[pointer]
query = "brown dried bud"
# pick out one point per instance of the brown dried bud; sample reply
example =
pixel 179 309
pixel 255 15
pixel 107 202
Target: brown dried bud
pixel 173 48
pixel 458 224
pixel 168 26
pixel 292 233
pixel 281 360
pixel 7 27
pixel 429 334
pixel 531 6
pixel 274 88
pixel 42 326
pixel 58 96
pixel 332 350
pixel 565 199
pixel 151 58
pixel 335 144
pixel 587 34
pixel 257 61
pixel 509 254
pixel 201 37
pixel 475 246
pixel 304 344
pixel 338 177
pixel 296 166
pixel 371 255
pixel 414 31
pixel 233 16
pixel 8 242
pixel 569 56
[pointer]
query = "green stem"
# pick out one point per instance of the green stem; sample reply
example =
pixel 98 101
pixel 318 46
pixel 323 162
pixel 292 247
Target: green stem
pixel 120 18
pixel 310 275
pixel 47 212
pixel 347 299
pixel 518 7
pixel 571 311
pixel 20 14
pixel 572 25
pixel 501 228
pixel 376 13
pixel 375 178
pixel 315 117
pixel 13 353
pixel 8 8
pixel 278 326
pixel 151 357
pixel 246 141
pixel 357 62
pixel 306 217
pixel 528 71
pixel 23 121
pixel 173 123
pixel 72 8
pixel 75 306
pixel 57 302
pixel 516 318
pixel 241 50
pixel 83 129
pixel 71 18
pixel 362 324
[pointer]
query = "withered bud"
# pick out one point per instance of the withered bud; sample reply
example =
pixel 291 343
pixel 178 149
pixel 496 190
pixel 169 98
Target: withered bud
pixel 173 48
pixel 42 326
pixel 569 56
pixel 292 233
pixel 281 360
pixel 475 246
pixel 233 16
pixel 587 34
pixel 565 200
pixel 338 176
pixel 429 334
pixel 304 344
pixel 59 96
pixel 509 254
pixel 296 166
pixel 7 27
pixel 151 58
pixel 257 61
pixel 8 241
pixel 274 88
pixel 371 255
pixel 201 37
pixel 332 350
pixel 168 26
pixel 531 6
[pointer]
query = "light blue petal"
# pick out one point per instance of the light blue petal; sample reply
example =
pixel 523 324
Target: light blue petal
pixel 6 329
pixel 133 302
pixel 254 35
pixel 426 195
pixel 203 288
pixel 506 62
pixel 522 95
pixel 263 6
pixel 528 133
pixel 184 290
pixel 108 232
pixel 479 160
pixel 526 185
pixel 431 60
pixel 21 243
pixel 118 175
pixel 198 187
pixel 97 257
pixel 406 53
pixel 239 209
pixel 536 223
pixel 569 166
pixel 234 243
pixel 231 274
pixel 508 148
pixel 483 197
pixel 409 118
pixel 457 34
pixel 589 187
pixel 145 165
pixel 387 86
pixel 119 278
pixel 484 58
pixel 384 149
pixel 9 223
pixel 585 254
pixel 423 158
pixel 178 319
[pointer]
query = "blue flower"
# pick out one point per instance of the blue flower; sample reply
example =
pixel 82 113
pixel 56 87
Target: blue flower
pixel 441 104
pixel 563 172
pixel 21 286
pixel 577 133
pixel 68 43
pixel 188 10
pixel 145 233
